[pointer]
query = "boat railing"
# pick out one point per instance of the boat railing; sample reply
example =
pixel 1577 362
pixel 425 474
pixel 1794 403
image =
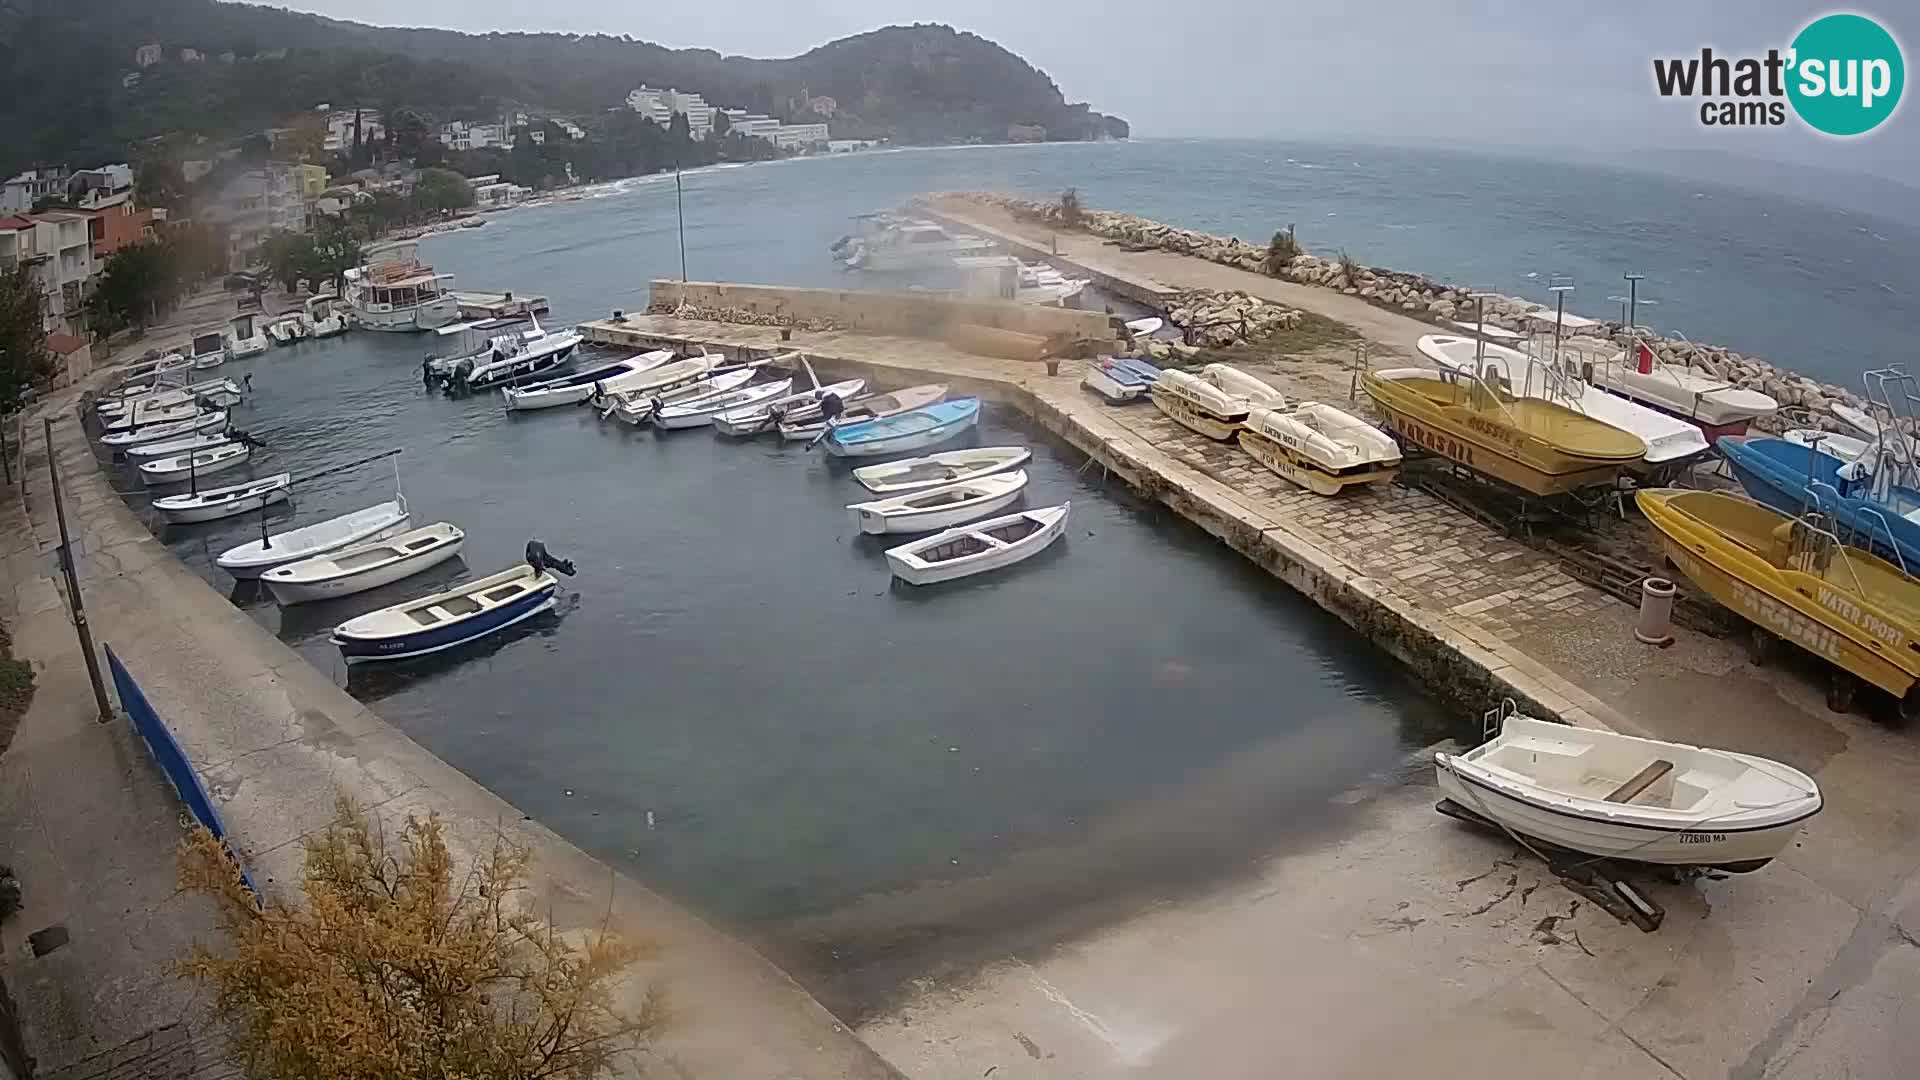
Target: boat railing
pixel 1818 491
pixel 1482 387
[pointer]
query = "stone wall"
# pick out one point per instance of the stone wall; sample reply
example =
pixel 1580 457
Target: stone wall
pixel 1422 297
pixel 909 314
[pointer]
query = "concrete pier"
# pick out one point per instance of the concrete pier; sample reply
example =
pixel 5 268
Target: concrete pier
pixel 499 305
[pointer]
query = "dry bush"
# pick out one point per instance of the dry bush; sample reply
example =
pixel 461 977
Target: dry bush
pixel 388 971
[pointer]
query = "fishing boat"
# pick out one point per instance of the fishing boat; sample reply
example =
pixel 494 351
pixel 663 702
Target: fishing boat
pixel 873 407
pixel 798 408
pixel 244 339
pixel 939 470
pixel 208 350
pixel 915 429
pixel 1622 797
pixel 212 504
pixel 1712 404
pixel 1792 578
pixel 516 359
pixel 975 549
pixel 323 317
pixel 169 470
pixel 1120 379
pixel 175 447
pixel 940 507
pixel 1869 505
pixel 288 329
pixel 576 388
pixel 206 421
pixel 1535 445
pixel 255 557
pixel 444 620
pixel 1215 402
pixel 1319 447
pixel 634 407
pixel 700 411
pixel 1670 441
pixel 364 566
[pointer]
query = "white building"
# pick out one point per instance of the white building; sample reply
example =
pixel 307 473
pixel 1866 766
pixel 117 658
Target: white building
pixel 58 249
pixel 257 204
pixel 340 129
pixel 799 136
pixel 660 105
pixel 461 135
pixel 574 131
pixel 18 195
pixel 753 125
pixel 97 189
pixel 497 195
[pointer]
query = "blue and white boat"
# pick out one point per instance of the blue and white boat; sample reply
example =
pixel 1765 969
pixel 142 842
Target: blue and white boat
pixel 915 429
pixel 1867 509
pixel 1120 379
pixel 444 620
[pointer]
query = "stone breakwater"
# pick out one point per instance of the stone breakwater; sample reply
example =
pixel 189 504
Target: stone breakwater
pixel 1805 402
pixel 742 317
pixel 1216 320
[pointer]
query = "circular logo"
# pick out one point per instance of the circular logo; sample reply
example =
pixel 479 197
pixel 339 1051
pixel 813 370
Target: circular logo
pixel 1847 74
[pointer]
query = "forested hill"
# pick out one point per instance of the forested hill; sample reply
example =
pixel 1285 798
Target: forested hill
pixel 63 68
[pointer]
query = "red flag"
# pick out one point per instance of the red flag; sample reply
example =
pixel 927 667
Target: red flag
pixel 1645 359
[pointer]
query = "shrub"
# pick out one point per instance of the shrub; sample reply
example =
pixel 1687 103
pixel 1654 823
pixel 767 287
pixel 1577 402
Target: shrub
pixel 1070 208
pixel 1281 250
pixel 1349 268
pixel 390 971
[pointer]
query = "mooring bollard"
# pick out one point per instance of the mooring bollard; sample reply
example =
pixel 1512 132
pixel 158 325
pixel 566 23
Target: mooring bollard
pixel 1656 612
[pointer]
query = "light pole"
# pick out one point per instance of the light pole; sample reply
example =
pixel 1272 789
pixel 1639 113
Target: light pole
pixel 1560 288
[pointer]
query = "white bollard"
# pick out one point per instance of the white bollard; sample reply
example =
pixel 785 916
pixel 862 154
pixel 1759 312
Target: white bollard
pixel 1656 612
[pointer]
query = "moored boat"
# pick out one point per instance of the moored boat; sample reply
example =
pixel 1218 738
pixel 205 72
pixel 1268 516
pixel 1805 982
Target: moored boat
pixel 516 359
pixel 244 339
pixel 448 619
pixel 700 411
pixel 168 470
pixel 175 447
pixel 940 507
pixel 980 547
pixel 364 566
pixel 1621 797
pixel 578 387
pixel 174 429
pixel 938 470
pixel 1120 379
pixel 1319 447
pixel 208 350
pixel 212 504
pixel 1535 445
pixel 799 408
pixel 872 407
pixel 637 407
pixel 254 558
pixel 915 429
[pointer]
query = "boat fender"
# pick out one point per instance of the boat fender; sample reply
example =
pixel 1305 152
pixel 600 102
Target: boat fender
pixel 540 559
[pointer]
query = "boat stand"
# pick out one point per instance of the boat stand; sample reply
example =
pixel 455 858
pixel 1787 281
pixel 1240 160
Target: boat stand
pixel 1602 881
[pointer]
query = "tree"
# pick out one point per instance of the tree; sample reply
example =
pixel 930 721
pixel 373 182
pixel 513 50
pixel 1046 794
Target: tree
pixel 442 191
pixel 289 257
pixel 390 970
pixel 1281 251
pixel 722 124
pixel 137 283
pixel 24 358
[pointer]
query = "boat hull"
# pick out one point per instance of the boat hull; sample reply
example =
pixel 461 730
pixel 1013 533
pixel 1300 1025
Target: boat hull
pixel 361 650
pixel 182 474
pixel 251 560
pixel 875 519
pixel 1118 391
pixel 441 311
pixel 289 593
pixel 851 442
pixel 1812 482
pixel 1304 471
pixel 232 508
pixel 1220 426
pixel 915 572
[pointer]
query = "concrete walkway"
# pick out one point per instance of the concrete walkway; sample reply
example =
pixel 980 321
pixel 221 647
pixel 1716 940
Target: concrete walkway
pixel 274 740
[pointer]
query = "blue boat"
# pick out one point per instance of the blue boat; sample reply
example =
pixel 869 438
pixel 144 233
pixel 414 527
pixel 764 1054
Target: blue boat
pixel 442 621
pixel 915 429
pixel 1794 478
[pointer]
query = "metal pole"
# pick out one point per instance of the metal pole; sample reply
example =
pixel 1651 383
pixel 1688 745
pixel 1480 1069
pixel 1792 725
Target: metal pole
pixel 73 584
pixel 680 205
pixel 1633 300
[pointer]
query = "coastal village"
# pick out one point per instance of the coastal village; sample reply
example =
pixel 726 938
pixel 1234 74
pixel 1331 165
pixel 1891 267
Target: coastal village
pixel 1664 591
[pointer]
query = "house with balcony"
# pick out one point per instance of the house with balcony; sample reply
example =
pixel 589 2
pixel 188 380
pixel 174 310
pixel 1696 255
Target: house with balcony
pixel 18 195
pixel 35 242
pixel 660 106
pixel 97 189
pixel 255 205
pixel 460 135
pixel 121 226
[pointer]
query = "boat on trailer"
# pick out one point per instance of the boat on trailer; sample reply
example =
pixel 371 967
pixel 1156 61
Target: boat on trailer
pixel 1319 447
pixel 939 470
pixel 213 504
pixel 941 507
pixel 229 454
pixel 1617 796
pixel 578 387
pixel 1714 405
pixel 448 619
pixel 254 558
pixel 364 566
pixel 979 548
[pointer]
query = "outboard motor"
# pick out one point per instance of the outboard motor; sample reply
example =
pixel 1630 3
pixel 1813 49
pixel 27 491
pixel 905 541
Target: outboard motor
pixel 831 407
pixel 540 559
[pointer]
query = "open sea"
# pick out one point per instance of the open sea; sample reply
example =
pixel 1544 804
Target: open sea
pixel 736 707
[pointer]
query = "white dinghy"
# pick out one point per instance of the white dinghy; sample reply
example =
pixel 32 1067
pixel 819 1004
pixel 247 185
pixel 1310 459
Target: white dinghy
pixel 939 470
pixel 254 558
pixel 574 389
pixel 172 470
pixel 174 429
pixel 941 507
pixel 797 408
pixel 175 447
pixel 873 407
pixel 976 549
pixel 699 412
pixel 216 503
pixel 635 408
pixel 365 566
pixel 1621 797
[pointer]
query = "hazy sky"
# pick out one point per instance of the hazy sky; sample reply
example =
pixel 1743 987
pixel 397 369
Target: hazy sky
pixel 1518 73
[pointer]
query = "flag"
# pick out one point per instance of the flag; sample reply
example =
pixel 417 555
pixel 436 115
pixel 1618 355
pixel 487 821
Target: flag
pixel 1644 359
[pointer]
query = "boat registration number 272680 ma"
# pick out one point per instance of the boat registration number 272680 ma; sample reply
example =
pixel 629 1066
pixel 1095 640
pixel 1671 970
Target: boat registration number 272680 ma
pixel 1703 837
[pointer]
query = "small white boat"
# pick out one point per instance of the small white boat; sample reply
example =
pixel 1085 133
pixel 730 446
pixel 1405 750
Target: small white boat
pixel 1203 405
pixel 244 339
pixel 206 421
pixel 1621 797
pixel 445 620
pixel 576 388
pixel 699 412
pixel 169 470
pixel 252 559
pixel 1862 421
pixel 978 548
pixel 1146 327
pixel 875 407
pixel 323 317
pixel 213 504
pixel 1844 447
pixel 848 392
pixel 217 392
pixel 939 470
pixel 1716 406
pixel 1120 379
pixel 208 350
pixel 175 447
pixel 941 507
pixel 633 407
pixel 159 409
pixel 364 566
pixel 140 378
pixel 798 408
pixel 1319 447
pixel 287 329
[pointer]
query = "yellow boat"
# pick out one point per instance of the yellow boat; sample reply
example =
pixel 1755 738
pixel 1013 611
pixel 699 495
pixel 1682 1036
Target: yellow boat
pixel 1533 444
pixel 1794 579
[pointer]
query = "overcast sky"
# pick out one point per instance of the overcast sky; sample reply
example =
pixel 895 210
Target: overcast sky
pixel 1505 72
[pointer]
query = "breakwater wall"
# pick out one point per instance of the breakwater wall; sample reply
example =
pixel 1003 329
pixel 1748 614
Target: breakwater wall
pixel 1420 296
pixel 871 312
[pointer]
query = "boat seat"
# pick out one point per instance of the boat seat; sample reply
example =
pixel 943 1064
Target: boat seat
pixel 1640 781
